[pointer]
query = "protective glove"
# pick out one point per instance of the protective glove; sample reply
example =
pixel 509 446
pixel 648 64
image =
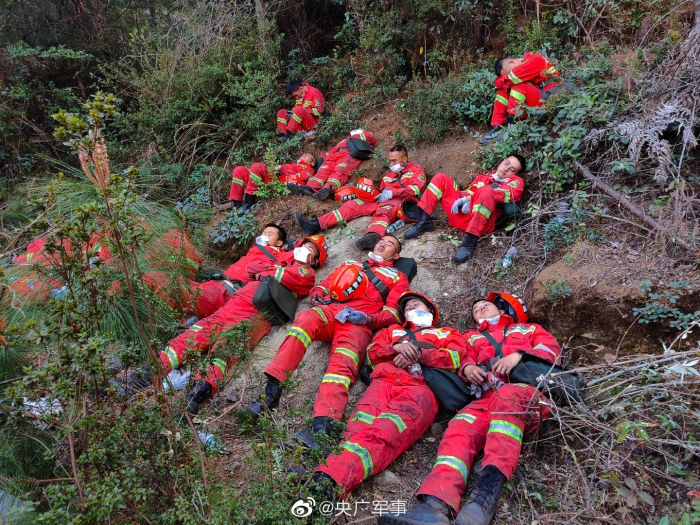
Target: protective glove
pixel 463 203
pixel 384 196
pixel 342 316
pixel 350 315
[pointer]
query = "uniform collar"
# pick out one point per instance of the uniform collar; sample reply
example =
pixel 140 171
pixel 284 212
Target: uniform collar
pixel 493 178
pixel 370 262
pixel 504 320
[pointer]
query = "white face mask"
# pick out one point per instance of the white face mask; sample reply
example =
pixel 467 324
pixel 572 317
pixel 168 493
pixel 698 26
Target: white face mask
pixel 356 132
pixel 499 179
pixel 396 168
pixel 301 254
pixel 376 258
pixel 492 320
pixel 420 317
pixel 262 240
pixel 300 160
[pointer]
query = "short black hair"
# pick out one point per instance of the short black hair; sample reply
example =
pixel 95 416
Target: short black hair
pixel 292 86
pixel 498 67
pixel 401 149
pixel 521 160
pixel 282 231
pixel 397 241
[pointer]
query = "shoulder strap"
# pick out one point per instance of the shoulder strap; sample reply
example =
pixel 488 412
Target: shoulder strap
pixel 267 252
pixel 376 281
pixel 496 345
pixel 412 336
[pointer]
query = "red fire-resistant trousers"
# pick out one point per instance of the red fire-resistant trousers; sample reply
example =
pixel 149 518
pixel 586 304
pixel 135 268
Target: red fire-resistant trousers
pixel 333 174
pixel 388 419
pixel 247 181
pixel 200 299
pixel 382 214
pixel 301 119
pixel 348 345
pixel 507 101
pixel 482 215
pixel 494 423
pixel 201 336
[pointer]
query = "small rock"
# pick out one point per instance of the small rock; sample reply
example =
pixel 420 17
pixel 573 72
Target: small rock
pixel 387 478
pixel 436 430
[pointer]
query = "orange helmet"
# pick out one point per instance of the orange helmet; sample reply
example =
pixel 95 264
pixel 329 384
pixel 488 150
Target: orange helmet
pixel 348 282
pixel 407 296
pixel 320 242
pixel 346 193
pixel 511 304
pixel 294 178
pixel 407 210
pixel 365 189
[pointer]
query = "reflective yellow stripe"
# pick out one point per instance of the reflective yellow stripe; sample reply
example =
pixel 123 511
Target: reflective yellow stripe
pixel 520 329
pixel 240 182
pixel 334 182
pixel 278 274
pixel 338 216
pixel 300 334
pixel 256 178
pixel 220 364
pixel 337 378
pixel 434 190
pixel 394 418
pixel 364 417
pixel 196 328
pixel 478 208
pixel 349 353
pixel 388 272
pixel 364 455
pixel 506 194
pixel 320 312
pixel 503 100
pixel 518 96
pixel 513 78
pixel 416 189
pixel 341 165
pixel 307 104
pixel 394 312
pixel 455 463
pixel 381 223
pixel 550 71
pixel 283 120
pixel 454 356
pixel 464 417
pixel 474 338
pixel 507 428
pixel 172 357
pixel 297 118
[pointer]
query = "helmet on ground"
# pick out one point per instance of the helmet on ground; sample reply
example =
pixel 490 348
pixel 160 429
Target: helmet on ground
pixel 511 304
pixel 365 189
pixel 348 282
pixel 345 193
pixel 320 242
pixel 408 211
pixel 407 296
pixel 294 178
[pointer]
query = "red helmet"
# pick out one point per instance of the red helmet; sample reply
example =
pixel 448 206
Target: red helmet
pixel 346 193
pixel 320 242
pixel 407 210
pixel 407 296
pixel 365 189
pixel 511 304
pixel 294 178
pixel 348 282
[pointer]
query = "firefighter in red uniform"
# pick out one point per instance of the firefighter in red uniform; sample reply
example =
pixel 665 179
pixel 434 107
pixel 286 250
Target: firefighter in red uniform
pixel 474 210
pixel 335 171
pixel 494 422
pixel 406 180
pixel 298 173
pixel 355 299
pixel 204 299
pixel 398 406
pixel 520 82
pixel 307 110
pixel 293 270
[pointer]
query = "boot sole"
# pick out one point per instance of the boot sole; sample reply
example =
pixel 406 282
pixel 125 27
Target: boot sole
pixel 402 520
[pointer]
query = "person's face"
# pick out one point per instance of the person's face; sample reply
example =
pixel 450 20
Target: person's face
pixel 314 251
pixel 274 235
pixel 308 158
pixel 298 93
pixel 387 247
pixel 485 310
pixel 509 167
pixel 510 64
pixel 397 157
pixel 415 304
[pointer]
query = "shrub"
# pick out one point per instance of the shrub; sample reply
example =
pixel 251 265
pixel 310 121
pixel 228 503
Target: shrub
pixel 475 101
pixel 428 109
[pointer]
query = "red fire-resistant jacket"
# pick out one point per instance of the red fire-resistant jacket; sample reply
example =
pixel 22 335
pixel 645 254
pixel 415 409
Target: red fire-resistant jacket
pixel 409 182
pixel 535 69
pixel 298 168
pixel 238 270
pixel 449 353
pixel 312 100
pixel 287 271
pixel 508 191
pixel 383 313
pixel 530 338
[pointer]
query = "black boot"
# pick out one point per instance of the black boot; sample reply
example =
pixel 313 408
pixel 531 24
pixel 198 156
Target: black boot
pixel 237 204
pixel 248 202
pixel 432 511
pixel 466 249
pixel 298 189
pixel 493 132
pixel 483 499
pixel 323 487
pixel 201 391
pixel 323 194
pixel 424 225
pixel 308 226
pixel 284 137
pixel 368 241
pixel 273 393
pixel 318 424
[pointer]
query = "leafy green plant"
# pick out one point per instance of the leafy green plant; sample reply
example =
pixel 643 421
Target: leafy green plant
pixel 475 101
pixel 428 110
pixel 556 290
pixel 272 190
pixel 238 229
pixel 660 307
